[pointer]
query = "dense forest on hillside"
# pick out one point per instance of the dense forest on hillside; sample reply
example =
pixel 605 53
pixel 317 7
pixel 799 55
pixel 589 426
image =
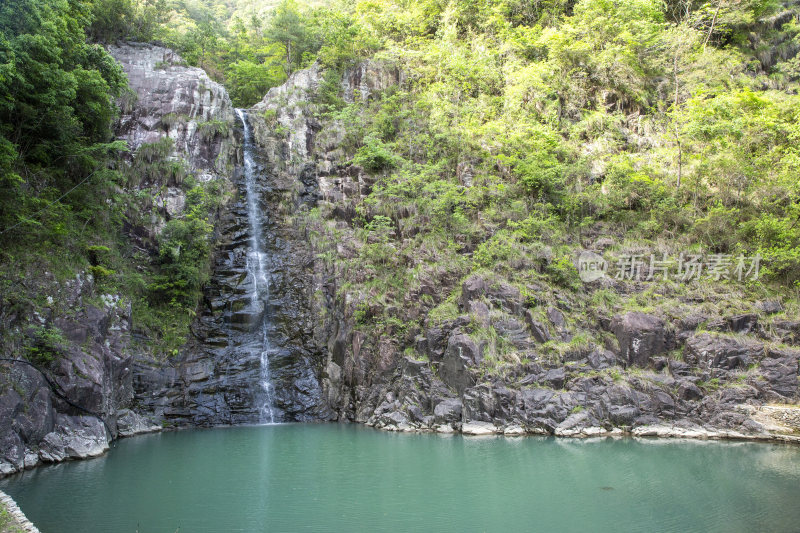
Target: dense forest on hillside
pixel 522 128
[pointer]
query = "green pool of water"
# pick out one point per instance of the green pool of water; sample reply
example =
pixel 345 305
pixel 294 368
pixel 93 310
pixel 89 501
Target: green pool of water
pixel 329 477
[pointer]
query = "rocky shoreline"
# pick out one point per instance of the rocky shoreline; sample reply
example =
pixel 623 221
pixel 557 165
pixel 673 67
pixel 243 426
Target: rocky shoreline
pixel 780 433
pixel 657 431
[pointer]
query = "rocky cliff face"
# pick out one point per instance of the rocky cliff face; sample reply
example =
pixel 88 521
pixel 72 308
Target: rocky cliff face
pixel 99 366
pixel 694 373
pixel 94 370
pixel 184 106
pixel 215 380
pixel 656 374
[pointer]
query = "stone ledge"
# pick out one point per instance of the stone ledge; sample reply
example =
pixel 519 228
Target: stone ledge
pixel 16 513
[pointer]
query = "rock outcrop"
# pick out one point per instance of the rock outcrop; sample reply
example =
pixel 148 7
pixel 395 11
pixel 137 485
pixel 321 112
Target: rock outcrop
pixel 650 374
pixel 93 370
pixel 640 337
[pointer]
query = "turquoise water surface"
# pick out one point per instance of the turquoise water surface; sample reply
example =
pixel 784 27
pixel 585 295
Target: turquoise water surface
pixel 328 477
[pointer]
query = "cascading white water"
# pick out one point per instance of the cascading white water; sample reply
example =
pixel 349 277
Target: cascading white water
pixel 256 261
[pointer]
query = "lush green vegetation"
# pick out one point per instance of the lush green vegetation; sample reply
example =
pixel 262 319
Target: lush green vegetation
pixel 674 122
pixel 69 189
pixel 525 130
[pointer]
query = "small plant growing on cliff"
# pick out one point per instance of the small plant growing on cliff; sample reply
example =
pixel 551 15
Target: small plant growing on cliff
pixel 212 128
pixel 46 344
pixel 270 117
pixel 151 152
pixel 100 272
pixel 361 313
pixel 170 119
pixel 99 257
pixel 711 385
pixel 616 374
pixel 564 273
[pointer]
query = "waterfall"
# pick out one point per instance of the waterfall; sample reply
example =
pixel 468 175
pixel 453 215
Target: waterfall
pixel 256 268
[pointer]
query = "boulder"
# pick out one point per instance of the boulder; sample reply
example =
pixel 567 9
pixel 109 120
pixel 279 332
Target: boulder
pixel 663 403
pixel 600 359
pixel 780 369
pixel 620 404
pixel 679 368
pixel 480 311
pixel 689 391
pixel 640 337
pixel 448 411
pixel 769 307
pixel 489 403
pixel 514 331
pixel 555 377
pixel 718 351
pixel 473 288
pixel 502 295
pixel 461 355
pixel 479 428
pixel 538 330
pixel 542 408
pixel 556 317
pixel 75 437
pixel 787 330
pixel 686 326
pixel 507 297
pixel 130 423
pixel 393 419
pixel 747 323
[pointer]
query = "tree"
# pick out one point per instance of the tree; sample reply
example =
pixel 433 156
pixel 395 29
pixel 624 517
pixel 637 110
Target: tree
pixel 249 81
pixel 57 97
pixel 288 27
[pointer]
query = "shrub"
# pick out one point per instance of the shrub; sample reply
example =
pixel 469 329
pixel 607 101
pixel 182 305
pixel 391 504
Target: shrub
pixel 183 261
pixel 376 155
pixel 563 272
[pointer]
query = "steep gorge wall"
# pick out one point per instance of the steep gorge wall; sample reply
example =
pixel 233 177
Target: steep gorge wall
pixel 104 366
